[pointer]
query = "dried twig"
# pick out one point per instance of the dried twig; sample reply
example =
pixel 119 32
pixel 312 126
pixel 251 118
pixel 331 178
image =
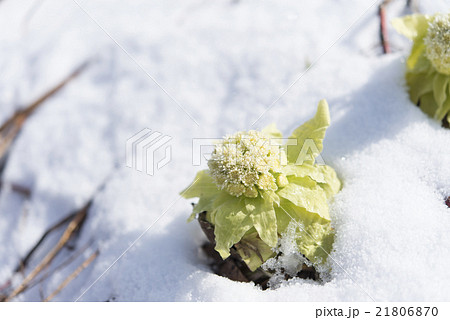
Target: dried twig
pixel 73 275
pixel 62 265
pixel 24 191
pixel 72 242
pixel 412 5
pixel 11 127
pixel 23 262
pixel 383 27
pixel 68 233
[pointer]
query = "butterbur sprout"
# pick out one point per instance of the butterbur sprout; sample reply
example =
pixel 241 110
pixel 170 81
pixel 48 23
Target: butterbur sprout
pixel 246 162
pixel 254 189
pixel 428 66
pixel 437 42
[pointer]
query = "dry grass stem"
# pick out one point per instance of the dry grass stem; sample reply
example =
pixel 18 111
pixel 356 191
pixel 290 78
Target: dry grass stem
pixel 73 275
pixel 68 233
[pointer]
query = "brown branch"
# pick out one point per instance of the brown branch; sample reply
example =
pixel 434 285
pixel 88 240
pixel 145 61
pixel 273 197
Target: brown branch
pixel 68 233
pixel 23 262
pixel 55 89
pixel 383 27
pixel 61 266
pixel 73 275
pixel 11 127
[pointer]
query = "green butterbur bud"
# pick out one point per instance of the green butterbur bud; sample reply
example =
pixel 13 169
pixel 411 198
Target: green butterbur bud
pixel 236 189
pixel 251 192
pixel 267 182
pixel 244 161
pixel 254 189
pixel 282 181
pixel 437 42
pixel 428 66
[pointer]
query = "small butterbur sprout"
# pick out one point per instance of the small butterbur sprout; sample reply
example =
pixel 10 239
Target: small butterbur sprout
pixel 282 181
pixel 437 42
pixel 428 66
pixel 244 162
pixel 255 188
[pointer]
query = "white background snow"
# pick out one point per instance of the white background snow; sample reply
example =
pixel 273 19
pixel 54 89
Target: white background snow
pixel 225 62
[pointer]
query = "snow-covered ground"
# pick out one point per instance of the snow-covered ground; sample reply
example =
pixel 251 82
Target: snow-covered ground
pixel 222 63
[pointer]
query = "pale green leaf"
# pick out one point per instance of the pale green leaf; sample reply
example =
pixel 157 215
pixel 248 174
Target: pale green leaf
pixel 314 234
pixel 204 204
pixel 412 26
pixel 332 184
pixel 270 196
pixel 309 137
pixel 415 28
pixel 443 110
pixel 420 63
pixel 203 185
pixel 204 188
pixel 221 198
pixel 415 60
pixel 440 84
pixel 428 104
pixel 419 84
pixel 305 193
pixel 231 223
pixel 264 220
pixel 253 250
pixel 272 131
pixel 305 170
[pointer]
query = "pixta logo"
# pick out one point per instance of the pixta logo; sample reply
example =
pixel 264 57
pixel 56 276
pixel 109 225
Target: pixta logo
pixel 141 151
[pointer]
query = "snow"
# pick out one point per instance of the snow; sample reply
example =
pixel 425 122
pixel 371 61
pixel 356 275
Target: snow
pixel 225 62
pixel 289 260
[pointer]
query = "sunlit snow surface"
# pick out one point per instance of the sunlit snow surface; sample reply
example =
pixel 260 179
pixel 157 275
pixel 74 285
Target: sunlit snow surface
pixel 225 63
